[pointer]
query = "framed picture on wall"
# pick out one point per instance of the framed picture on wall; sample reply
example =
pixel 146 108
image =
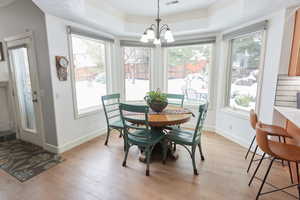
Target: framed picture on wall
pixel 1 52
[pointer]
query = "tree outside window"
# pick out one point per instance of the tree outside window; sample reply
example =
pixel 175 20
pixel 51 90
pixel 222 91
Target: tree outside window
pixel 245 62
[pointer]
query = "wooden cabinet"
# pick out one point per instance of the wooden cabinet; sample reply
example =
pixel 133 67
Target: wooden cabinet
pixel 294 68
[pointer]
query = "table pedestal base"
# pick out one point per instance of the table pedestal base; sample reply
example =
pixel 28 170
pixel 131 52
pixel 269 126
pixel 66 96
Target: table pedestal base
pixel 157 153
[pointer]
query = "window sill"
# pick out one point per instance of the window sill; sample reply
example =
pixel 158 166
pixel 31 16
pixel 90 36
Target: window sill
pixel 88 112
pixel 236 113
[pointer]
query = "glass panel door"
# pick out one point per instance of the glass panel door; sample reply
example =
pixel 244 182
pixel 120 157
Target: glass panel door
pixel 19 59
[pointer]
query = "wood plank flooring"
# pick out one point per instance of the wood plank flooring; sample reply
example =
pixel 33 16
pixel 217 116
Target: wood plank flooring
pixel 93 171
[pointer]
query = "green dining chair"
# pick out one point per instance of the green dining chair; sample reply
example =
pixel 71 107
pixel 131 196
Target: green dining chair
pixel 175 99
pixel 112 114
pixel 142 136
pixel 188 138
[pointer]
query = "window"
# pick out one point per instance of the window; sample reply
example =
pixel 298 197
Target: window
pixel 188 68
pixel 244 66
pixel 89 73
pixel 137 72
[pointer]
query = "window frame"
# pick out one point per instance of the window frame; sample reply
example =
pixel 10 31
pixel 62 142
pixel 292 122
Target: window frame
pixel 93 109
pixel 151 63
pixel 210 74
pixel 229 48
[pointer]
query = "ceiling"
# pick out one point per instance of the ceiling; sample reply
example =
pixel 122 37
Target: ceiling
pixel 149 7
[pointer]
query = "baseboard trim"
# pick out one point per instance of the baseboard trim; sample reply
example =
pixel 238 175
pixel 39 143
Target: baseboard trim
pixel 240 141
pixel 67 146
pixel 70 145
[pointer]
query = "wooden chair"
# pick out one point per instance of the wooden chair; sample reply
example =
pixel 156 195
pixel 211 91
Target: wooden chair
pixel 271 129
pixel 112 114
pixel 276 150
pixel 188 138
pixel 141 136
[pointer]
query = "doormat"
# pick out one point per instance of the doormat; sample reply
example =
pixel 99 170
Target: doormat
pixel 23 160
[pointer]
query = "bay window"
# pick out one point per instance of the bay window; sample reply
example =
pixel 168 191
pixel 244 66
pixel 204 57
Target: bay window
pixel 137 66
pixel 188 71
pixel 88 72
pixel 244 70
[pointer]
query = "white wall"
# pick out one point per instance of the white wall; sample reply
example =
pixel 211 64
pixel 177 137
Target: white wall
pixel 234 125
pixel 5 121
pixel 70 131
pixel 18 18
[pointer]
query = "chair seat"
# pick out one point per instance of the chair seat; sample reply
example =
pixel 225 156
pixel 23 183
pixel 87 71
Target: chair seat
pixel 117 124
pixel 139 137
pixel 180 136
pixel 275 130
pixel 285 151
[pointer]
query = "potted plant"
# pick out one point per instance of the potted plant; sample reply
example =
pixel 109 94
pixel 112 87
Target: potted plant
pixel 156 100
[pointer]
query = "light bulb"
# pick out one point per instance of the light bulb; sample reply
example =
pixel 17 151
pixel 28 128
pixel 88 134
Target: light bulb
pixel 150 34
pixel 144 38
pixel 157 41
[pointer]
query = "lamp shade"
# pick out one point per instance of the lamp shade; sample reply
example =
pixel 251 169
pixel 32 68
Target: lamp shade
pixel 157 41
pixel 169 36
pixel 144 38
pixel 150 34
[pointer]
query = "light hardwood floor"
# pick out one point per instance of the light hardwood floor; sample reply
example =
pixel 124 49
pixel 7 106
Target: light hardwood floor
pixel 93 171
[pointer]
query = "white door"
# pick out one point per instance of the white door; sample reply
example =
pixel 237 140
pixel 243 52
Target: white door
pixel 23 71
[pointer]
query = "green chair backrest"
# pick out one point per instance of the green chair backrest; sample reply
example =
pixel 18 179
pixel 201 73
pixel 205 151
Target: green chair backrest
pixel 111 107
pixel 200 121
pixel 132 115
pixel 176 99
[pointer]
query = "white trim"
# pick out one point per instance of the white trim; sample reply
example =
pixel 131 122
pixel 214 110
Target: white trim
pixel 78 141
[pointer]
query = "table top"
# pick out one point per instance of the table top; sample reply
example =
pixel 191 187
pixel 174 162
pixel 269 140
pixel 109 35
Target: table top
pixel 169 118
pixel 292 114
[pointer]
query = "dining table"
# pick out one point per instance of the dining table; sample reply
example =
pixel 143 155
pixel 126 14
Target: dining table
pixel 171 116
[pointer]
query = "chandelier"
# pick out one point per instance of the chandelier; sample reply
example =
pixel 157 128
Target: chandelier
pixel 155 32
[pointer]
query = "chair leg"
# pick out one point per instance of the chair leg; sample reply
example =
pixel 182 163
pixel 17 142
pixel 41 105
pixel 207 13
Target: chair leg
pixel 264 180
pixel 121 133
pixel 297 171
pixel 107 136
pixel 194 160
pixel 201 153
pixel 279 140
pixel 254 174
pixel 126 154
pixel 125 142
pixel 174 148
pixel 252 158
pixel 165 151
pixel 290 171
pixel 148 154
pixel 250 147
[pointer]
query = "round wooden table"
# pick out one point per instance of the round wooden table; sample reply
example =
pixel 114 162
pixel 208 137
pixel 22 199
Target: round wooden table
pixel 171 116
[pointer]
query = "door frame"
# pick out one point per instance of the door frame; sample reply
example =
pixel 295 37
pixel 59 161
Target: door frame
pixel 15 107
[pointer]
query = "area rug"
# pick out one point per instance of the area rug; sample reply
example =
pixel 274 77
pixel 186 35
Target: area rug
pixel 23 160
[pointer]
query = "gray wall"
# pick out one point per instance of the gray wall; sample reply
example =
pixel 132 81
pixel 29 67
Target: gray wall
pixel 15 19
